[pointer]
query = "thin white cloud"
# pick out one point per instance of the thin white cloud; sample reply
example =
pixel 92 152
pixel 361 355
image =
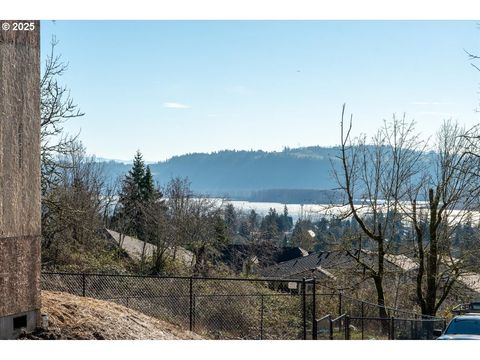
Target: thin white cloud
pixel 175 105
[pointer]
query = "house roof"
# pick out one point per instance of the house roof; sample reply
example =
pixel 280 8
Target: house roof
pixel 322 262
pixel 402 261
pixel 471 280
pixel 134 247
pixel 289 253
pixel 235 254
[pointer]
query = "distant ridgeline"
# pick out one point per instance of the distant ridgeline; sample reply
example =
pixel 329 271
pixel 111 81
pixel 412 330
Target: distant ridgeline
pixel 301 175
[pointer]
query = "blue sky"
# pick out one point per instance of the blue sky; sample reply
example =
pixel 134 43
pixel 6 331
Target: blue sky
pixel 174 87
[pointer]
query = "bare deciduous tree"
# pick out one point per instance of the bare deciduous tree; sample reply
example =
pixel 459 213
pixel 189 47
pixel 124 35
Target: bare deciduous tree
pixel 179 195
pixel 56 107
pixel 196 223
pixel 374 178
pixel 451 192
pixel 72 210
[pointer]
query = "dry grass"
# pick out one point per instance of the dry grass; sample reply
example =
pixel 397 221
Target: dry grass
pixel 74 317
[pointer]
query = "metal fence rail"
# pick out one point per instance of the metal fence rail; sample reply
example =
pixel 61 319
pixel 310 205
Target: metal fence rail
pixel 377 328
pixel 244 308
pixel 362 308
pixel 219 308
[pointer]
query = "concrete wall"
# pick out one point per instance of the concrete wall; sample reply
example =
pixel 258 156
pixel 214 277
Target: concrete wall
pixel 19 177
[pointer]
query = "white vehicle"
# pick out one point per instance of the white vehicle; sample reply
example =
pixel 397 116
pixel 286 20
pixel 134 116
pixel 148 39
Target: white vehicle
pixel 462 327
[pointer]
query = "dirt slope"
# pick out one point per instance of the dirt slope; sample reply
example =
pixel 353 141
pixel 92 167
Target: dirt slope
pixel 74 317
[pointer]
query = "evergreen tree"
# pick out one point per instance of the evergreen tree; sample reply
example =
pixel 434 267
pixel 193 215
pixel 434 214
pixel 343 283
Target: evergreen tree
pixel 222 238
pixel 285 241
pixel 253 220
pixel 244 228
pixel 269 225
pixel 285 222
pixel 137 198
pixel 301 235
pixel 149 192
pixel 231 218
pixel 137 172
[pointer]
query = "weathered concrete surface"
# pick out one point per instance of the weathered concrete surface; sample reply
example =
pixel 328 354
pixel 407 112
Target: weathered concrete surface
pixel 8 330
pixel 19 171
pixel 19 133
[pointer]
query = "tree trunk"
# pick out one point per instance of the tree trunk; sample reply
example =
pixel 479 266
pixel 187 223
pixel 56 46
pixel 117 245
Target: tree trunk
pixel 378 278
pixel 431 292
pixel 382 312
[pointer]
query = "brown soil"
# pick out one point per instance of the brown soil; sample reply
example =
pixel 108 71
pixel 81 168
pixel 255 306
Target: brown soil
pixel 82 318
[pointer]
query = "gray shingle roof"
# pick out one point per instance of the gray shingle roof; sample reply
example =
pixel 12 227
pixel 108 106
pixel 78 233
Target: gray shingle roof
pixel 321 262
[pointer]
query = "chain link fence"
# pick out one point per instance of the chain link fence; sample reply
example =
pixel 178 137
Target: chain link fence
pixel 350 318
pixel 360 308
pixel 345 327
pixel 218 308
pixel 238 308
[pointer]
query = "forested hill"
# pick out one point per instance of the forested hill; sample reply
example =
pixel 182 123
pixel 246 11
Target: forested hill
pixel 251 175
pixel 241 172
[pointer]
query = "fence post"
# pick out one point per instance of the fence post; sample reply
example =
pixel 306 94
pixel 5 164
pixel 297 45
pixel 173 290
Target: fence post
pixel 340 309
pixel 330 323
pixel 347 327
pixel 363 315
pixel 304 308
pixel 415 328
pixel 261 317
pixel 194 307
pixel 83 284
pixel 191 303
pixel 339 304
pixel 392 328
pixel 314 310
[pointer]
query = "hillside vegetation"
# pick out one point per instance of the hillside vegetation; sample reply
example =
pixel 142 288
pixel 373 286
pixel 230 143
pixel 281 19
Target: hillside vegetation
pixel 251 175
pixel 240 172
